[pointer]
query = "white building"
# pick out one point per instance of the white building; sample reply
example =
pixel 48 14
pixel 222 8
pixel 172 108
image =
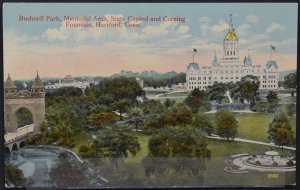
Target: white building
pixel 231 68
pixel 69 81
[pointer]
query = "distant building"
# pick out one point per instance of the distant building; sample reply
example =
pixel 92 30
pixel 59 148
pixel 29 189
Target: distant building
pixel 230 68
pixel 69 81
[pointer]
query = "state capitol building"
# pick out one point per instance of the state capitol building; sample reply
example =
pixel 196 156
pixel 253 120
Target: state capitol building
pixel 230 68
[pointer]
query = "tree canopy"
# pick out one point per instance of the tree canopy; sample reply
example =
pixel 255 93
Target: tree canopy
pixel 280 130
pixel 226 124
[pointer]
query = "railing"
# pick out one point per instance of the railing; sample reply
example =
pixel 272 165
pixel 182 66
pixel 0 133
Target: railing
pixel 19 133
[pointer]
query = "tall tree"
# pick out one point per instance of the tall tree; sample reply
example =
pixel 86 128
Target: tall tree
pixel 272 99
pixel 195 99
pixel 290 81
pixel 122 106
pixel 216 92
pixel 280 130
pixel 176 152
pixel 116 144
pixel 203 122
pixel 226 124
pixel 247 88
pixel 102 119
pixel 177 116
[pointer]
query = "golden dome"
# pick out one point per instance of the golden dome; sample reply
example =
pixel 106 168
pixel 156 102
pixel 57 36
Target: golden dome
pixel 231 36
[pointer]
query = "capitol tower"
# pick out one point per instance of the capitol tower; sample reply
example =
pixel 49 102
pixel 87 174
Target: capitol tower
pixel 230 68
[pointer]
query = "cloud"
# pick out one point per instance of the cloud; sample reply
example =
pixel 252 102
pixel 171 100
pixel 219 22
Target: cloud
pixel 275 26
pixel 252 18
pixel 204 19
pixel 219 27
pixel 243 29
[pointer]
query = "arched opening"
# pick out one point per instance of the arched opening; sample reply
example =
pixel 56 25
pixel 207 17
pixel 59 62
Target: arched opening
pixel 14 147
pixel 22 144
pixel 7 151
pixel 24 117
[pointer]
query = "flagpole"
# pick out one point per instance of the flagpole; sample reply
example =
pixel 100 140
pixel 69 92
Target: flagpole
pixel 193 55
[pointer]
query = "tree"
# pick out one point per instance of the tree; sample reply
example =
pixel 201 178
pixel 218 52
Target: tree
pixel 272 99
pixel 216 92
pixel 169 103
pixel 176 152
pixel 203 122
pixel 262 106
pixel 291 109
pixel 195 99
pixel 13 175
pixel 116 144
pixel 67 174
pixel 121 106
pixel 246 88
pixel 102 119
pixel 226 124
pixel 136 115
pixel 177 116
pixel 280 130
pixel 290 81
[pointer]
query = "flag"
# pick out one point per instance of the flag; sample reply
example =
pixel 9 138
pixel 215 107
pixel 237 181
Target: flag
pixel 272 47
pixel 195 50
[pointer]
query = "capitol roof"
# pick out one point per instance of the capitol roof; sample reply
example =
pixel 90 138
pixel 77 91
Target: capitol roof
pixel 271 63
pixel 231 35
pixel 194 66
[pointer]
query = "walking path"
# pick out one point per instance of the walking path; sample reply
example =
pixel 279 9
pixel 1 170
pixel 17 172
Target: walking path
pixel 252 141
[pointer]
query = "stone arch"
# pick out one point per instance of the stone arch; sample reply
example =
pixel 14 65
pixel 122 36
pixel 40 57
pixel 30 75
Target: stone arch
pixel 36 106
pixel 22 144
pixel 14 147
pixel 21 121
pixel 7 150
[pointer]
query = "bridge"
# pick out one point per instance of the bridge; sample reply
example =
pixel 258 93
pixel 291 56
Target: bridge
pixel 16 140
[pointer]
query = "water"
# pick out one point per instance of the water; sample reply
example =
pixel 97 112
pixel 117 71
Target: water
pixel 35 164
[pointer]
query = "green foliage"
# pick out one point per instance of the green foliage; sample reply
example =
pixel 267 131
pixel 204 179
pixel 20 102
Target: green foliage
pixel 103 119
pixel 177 116
pixel 122 106
pixel 116 144
pixel 216 92
pixel 155 79
pixel 177 143
pixel 280 130
pixel 246 88
pixel 272 99
pixel 195 99
pixel 179 153
pixel 203 122
pixel 24 117
pixel 153 107
pixel 169 103
pixel 13 175
pixel 83 149
pixel 291 109
pixel 226 124
pixel 68 174
pixel 290 81
pixel 262 106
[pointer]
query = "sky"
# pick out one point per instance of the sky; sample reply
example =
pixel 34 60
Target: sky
pixel 55 50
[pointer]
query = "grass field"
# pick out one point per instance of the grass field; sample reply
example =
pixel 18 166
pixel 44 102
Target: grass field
pixel 175 94
pixel 214 173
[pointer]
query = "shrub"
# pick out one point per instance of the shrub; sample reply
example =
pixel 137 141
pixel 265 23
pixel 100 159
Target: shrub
pixel 290 163
pixel 83 148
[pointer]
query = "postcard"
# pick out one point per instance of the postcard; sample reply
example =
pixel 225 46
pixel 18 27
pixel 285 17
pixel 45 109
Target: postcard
pixel 134 95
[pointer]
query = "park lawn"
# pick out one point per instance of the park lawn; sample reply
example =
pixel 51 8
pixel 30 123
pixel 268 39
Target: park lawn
pixel 254 126
pixel 291 99
pixel 221 150
pixel 176 94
